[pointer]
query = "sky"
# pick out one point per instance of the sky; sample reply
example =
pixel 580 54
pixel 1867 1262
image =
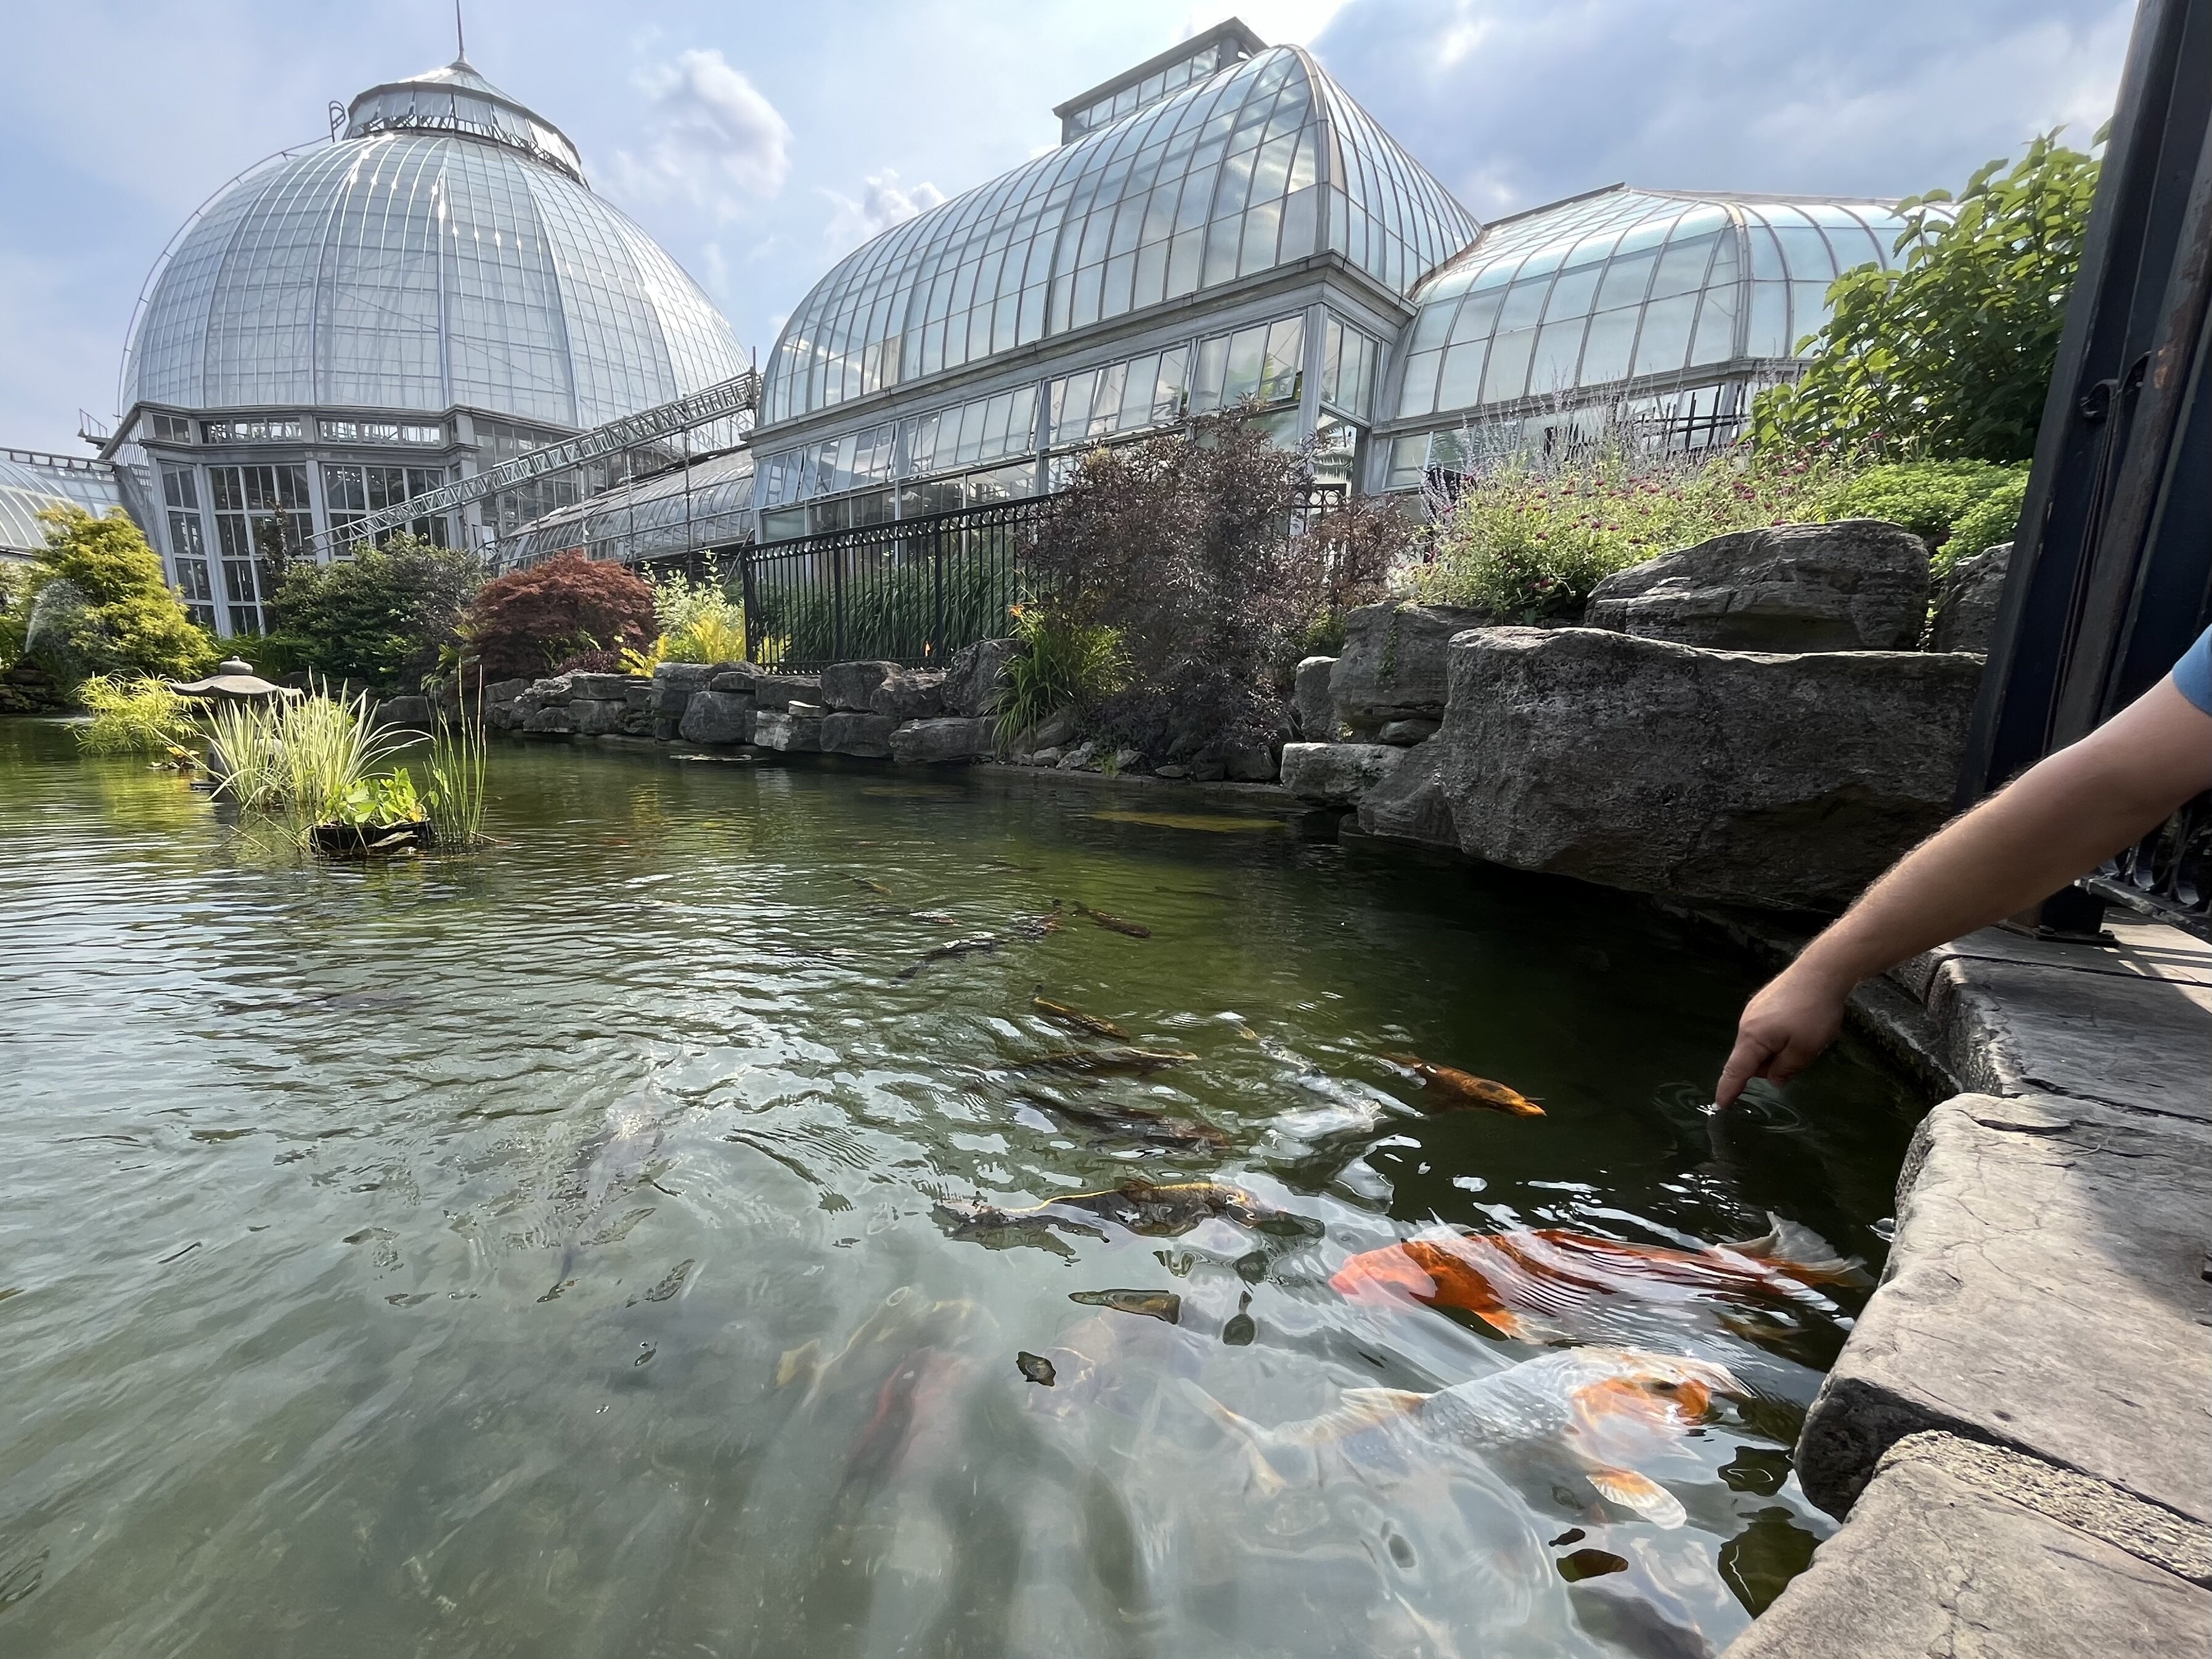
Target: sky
pixel 759 142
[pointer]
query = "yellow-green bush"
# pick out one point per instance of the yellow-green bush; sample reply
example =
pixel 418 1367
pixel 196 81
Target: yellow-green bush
pixel 136 716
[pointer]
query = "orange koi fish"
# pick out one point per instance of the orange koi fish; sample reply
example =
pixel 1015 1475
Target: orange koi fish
pixel 1498 1277
pixel 1456 1090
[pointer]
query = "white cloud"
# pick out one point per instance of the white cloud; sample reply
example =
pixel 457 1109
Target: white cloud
pixel 716 140
pixel 881 203
pixel 1513 104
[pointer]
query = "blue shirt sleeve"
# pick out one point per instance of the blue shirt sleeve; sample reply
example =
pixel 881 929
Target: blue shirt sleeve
pixel 2192 674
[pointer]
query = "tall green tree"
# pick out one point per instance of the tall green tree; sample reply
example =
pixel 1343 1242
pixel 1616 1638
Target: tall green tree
pixel 99 604
pixel 379 618
pixel 1949 357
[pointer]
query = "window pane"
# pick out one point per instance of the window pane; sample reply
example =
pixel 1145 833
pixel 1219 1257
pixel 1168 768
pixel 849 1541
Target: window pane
pixel 1666 340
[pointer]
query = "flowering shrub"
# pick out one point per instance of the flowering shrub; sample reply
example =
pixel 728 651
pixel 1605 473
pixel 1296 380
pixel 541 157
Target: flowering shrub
pixel 527 621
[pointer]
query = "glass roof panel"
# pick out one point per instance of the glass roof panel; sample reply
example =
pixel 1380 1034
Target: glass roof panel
pixel 415 271
pixel 1664 278
pixel 1219 180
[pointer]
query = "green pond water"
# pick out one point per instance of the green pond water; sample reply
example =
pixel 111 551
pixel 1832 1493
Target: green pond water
pixel 561 1250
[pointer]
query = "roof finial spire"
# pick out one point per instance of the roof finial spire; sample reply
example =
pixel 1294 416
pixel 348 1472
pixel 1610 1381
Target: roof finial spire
pixel 460 40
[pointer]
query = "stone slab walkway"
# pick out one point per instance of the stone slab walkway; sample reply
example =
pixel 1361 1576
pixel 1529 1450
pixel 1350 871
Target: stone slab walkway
pixel 2019 1432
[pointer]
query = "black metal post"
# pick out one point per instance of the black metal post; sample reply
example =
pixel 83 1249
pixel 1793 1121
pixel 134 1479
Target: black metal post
pixel 2110 566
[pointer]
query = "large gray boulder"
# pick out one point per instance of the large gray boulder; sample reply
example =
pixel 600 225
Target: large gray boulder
pixel 1967 609
pixel 933 742
pixel 975 676
pixel 909 694
pixel 789 733
pixel 674 683
pixel 1858 585
pixel 1317 708
pixel 1337 774
pixel 1749 778
pixel 868 736
pixel 780 692
pixel 1393 664
pixel 846 687
pixel 601 688
pixel 717 717
pixel 413 713
pixel 596 717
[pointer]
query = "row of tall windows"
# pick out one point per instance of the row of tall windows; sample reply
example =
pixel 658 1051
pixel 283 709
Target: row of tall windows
pixel 260 517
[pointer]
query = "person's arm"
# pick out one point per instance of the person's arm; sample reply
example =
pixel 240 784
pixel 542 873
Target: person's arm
pixel 2065 815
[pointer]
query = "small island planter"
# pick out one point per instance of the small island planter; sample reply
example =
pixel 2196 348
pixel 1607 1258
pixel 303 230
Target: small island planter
pixel 369 840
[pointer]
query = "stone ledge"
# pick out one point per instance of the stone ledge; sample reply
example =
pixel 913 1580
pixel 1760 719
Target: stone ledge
pixel 1934 1563
pixel 2150 1533
pixel 2044 1292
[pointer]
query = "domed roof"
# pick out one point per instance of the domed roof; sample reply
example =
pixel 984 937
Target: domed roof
pixel 1621 284
pixel 444 251
pixel 1262 164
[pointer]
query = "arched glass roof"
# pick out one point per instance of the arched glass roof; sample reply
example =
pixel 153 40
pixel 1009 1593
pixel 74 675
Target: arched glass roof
pixel 1257 166
pixel 30 482
pixel 421 264
pixel 707 505
pixel 1623 283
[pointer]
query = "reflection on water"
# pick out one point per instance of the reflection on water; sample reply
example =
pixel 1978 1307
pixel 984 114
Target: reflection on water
pixel 603 1246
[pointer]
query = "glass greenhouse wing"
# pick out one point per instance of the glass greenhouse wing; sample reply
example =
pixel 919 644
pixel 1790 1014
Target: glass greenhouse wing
pixel 31 481
pixel 708 504
pixel 1259 165
pixel 1624 284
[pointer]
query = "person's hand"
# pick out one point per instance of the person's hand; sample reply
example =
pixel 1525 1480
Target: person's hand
pixel 1789 1023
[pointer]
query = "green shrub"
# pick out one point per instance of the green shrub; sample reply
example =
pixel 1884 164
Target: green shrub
pixel 1994 518
pixel 138 716
pixel 115 615
pixel 1529 541
pixel 15 608
pixel 1932 499
pixel 380 618
pixel 699 621
pixel 1950 356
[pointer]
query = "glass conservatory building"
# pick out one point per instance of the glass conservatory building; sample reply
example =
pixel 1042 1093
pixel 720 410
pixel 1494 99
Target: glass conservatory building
pixel 435 289
pixel 1670 309
pixel 1221 223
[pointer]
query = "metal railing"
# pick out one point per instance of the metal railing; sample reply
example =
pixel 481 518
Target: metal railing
pixel 725 400
pixel 2168 873
pixel 913 590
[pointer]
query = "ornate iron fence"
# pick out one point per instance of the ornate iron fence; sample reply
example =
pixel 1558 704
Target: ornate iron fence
pixel 2167 874
pixel 913 590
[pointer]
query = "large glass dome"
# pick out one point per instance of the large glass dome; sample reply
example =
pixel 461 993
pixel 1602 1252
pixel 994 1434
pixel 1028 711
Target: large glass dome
pixel 1259 165
pixel 444 252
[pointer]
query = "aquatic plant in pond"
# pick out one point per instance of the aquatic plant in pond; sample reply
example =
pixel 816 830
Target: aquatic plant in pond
pixel 454 765
pixel 309 761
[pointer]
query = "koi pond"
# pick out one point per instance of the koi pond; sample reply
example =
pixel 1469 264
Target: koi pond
pixel 794 1210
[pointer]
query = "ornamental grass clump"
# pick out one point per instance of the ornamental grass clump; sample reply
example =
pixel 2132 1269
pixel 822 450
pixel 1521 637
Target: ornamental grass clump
pixel 1061 664
pixel 455 768
pixel 311 761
